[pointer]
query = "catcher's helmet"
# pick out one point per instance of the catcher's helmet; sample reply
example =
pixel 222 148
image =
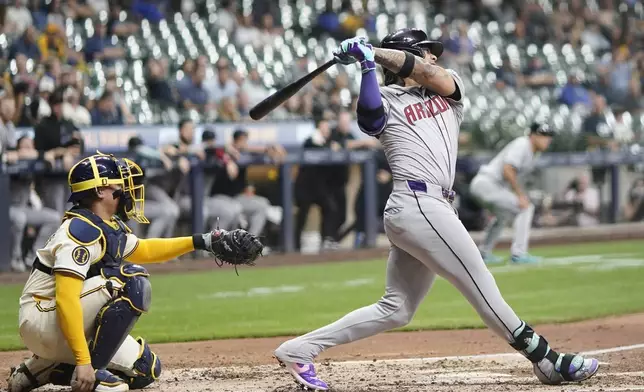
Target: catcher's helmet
pixel 413 41
pixel 101 170
pixel 541 129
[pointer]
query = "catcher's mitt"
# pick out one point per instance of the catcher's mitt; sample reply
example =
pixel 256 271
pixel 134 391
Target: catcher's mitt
pixel 235 247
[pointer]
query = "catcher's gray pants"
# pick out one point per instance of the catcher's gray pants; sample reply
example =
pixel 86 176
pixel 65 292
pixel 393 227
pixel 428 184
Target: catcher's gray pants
pixel 504 204
pixel 162 212
pixel 46 219
pixel 254 209
pixel 427 240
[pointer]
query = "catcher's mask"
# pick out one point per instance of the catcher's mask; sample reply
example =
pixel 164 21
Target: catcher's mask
pixel 414 41
pixel 102 170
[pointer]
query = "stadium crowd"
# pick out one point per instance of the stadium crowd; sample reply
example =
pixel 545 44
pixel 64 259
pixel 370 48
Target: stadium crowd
pixel 58 83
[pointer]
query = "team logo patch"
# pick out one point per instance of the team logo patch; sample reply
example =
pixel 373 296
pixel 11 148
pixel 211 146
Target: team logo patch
pixel 80 255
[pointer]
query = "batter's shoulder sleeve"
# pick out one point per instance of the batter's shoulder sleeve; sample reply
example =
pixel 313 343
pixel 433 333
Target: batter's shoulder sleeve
pixel 73 255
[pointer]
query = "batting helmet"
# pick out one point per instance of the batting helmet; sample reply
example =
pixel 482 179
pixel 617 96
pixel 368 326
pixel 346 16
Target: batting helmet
pixel 102 170
pixel 413 41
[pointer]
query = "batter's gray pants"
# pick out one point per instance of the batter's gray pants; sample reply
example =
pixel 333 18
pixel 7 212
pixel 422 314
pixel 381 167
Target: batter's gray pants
pixel 504 204
pixel 254 209
pixel 46 219
pixel 427 239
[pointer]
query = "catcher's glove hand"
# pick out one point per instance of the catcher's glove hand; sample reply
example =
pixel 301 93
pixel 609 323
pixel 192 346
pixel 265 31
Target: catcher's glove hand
pixel 235 247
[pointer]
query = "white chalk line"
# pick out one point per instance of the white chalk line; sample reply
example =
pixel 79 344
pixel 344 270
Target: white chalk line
pixel 490 356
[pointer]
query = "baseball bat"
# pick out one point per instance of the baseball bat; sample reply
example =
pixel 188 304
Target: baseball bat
pixel 280 96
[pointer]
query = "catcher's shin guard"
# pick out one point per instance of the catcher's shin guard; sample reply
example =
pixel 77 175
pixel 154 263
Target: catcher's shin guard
pixel 117 318
pixel 31 374
pixel 147 368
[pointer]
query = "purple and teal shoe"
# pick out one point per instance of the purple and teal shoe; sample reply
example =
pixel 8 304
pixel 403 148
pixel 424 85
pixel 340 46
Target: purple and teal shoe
pixel 304 375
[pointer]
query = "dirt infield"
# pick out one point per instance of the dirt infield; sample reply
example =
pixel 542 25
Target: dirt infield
pixel 401 361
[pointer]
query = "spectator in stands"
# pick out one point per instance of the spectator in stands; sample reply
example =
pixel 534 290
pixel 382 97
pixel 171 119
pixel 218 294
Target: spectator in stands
pixel 460 48
pixel 160 208
pixel 634 209
pixel 159 90
pixel 22 74
pixel 227 111
pixel 61 138
pixel 594 37
pixel 184 76
pixel 596 129
pixel 27 44
pixel 116 25
pixel 53 42
pixel 243 104
pixel 17 19
pixel 111 85
pixel 573 93
pixel 55 14
pixel 38 14
pixel 535 24
pixel 21 213
pixel 194 94
pixel 100 47
pixel 246 33
pixel 255 88
pixel 106 112
pixel 152 10
pixel 621 131
pixel 73 110
pixel 45 88
pixel 268 31
pixel 310 189
pixel 537 74
pixel 53 69
pixel 85 9
pixel 223 86
pixel 624 86
pixel 233 183
pixel 226 18
pixel 585 201
pixel 508 74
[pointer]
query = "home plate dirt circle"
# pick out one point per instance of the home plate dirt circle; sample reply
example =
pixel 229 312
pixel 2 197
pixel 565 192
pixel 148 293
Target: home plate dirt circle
pixel 472 360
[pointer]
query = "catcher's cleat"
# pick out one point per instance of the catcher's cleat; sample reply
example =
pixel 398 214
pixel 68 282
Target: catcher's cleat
pixel 304 375
pixel 31 374
pixel 108 382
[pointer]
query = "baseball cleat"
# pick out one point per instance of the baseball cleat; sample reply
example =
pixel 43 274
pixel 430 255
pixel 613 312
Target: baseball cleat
pixel 31 374
pixel 579 369
pixel 525 259
pixel 304 375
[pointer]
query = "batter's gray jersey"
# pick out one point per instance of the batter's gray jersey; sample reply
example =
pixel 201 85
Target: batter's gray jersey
pixel 420 135
pixel 518 153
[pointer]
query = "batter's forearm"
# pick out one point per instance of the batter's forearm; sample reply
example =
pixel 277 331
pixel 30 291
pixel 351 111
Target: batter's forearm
pixel 371 114
pixel 426 74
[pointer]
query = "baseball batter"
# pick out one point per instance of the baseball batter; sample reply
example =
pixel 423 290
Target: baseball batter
pixel 416 116
pixel 84 296
pixel 499 186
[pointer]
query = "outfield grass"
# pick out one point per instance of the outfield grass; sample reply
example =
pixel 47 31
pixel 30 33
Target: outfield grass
pixel 575 282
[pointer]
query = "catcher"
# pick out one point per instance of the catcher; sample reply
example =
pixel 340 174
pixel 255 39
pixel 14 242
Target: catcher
pixel 84 294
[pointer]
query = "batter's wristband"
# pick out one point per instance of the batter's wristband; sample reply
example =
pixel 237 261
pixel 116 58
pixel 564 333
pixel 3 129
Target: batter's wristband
pixel 367 66
pixel 408 65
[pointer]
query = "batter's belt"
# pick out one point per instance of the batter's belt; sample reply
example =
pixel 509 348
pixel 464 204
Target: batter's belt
pixel 433 190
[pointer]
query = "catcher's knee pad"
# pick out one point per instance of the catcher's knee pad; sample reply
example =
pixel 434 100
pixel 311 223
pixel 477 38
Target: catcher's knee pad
pixel 147 367
pixel 531 345
pixel 117 318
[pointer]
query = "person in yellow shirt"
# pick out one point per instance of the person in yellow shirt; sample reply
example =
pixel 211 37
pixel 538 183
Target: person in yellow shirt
pixel 84 294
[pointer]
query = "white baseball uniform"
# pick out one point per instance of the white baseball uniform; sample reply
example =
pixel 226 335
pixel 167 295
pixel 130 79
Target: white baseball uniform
pixel 420 141
pixel 38 321
pixel 493 190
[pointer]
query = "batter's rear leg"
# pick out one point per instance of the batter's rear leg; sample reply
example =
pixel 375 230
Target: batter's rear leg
pixel 408 282
pixel 446 247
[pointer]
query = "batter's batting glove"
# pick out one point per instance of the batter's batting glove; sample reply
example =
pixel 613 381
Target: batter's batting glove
pixel 361 50
pixel 236 247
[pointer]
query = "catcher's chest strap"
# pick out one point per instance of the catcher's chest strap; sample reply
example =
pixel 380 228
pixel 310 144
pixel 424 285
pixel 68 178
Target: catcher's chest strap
pixel 41 267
